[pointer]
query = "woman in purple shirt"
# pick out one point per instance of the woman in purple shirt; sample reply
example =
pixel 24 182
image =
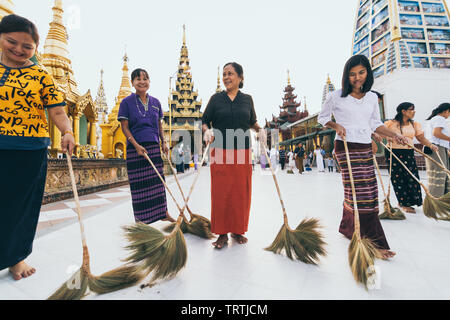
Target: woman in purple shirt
pixel 141 116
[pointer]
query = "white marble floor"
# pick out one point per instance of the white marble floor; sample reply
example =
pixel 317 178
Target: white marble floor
pixel 419 271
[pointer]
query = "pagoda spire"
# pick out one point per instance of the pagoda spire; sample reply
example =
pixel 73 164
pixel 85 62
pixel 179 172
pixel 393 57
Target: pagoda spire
pixel 124 91
pixel 100 100
pixel 289 78
pixel 6 8
pixel 56 41
pixel 219 89
pixel 327 88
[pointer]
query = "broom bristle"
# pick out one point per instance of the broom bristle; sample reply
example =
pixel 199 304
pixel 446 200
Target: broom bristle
pixel 304 243
pixel 361 255
pixel 391 213
pixel 198 225
pixel 78 284
pixel 165 255
pixel 437 208
pixel 117 279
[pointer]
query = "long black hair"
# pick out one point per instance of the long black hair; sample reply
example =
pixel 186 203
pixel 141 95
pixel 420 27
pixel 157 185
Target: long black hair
pixel 357 60
pixel 442 107
pixel 15 23
pixel 239 70
pixel 399 116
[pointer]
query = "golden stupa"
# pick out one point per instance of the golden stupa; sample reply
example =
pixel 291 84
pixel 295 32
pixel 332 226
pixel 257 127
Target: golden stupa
pixel 114 142
pixel 80 108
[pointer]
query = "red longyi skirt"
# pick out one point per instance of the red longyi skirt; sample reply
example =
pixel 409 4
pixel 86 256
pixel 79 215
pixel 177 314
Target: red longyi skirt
pixel 231 190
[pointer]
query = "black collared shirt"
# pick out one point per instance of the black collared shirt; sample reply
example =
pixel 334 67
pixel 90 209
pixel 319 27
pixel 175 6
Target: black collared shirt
pixel 227 117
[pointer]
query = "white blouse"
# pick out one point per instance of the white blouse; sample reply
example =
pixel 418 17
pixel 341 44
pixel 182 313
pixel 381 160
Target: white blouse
pixel 438 122
pixel 359 117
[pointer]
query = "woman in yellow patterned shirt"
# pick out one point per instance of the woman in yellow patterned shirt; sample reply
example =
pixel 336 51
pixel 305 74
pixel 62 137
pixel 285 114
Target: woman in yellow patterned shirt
pixel 27 90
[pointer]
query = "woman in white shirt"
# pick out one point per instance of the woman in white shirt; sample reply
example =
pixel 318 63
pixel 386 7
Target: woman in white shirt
pixel 319 159
pixel 438 180
pixel 356 112
pixel 291 160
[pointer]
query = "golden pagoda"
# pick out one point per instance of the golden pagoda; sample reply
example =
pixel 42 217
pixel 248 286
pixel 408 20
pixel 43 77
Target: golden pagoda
pixel 219 88
pixel 114 142
pixel 80 108
pixel 184 108
pixel 6 8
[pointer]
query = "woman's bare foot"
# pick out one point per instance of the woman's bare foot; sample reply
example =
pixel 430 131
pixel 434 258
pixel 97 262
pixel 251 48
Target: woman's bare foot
pixel 21 270
pixel 409 209
pixel 239 238
pixel 221 241
pixel 386 254
pixel 169 218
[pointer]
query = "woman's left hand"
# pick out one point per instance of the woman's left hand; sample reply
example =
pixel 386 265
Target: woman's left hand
pixel 434 148
pixel 376 137
pixel 68 143
pixel 165 149
pixel 399 139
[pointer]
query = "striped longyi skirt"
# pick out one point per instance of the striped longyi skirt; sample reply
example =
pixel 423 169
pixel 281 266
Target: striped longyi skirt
pixel 366 193
pixel 438 181
pixel 147 190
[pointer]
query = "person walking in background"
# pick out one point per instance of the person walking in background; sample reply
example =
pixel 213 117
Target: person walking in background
pixel 231 170
pixel 299 154
pixel 141 119
pixel 407 190
pixel 274 158
pixel 357 115
pixel 319 159
pixel 28 96
pixel 439 134
pixel 330 161
pixel 282 157
pixel 291 163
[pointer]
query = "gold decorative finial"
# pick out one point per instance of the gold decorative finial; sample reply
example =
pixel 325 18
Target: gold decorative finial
pixel 305 104
pixel 328 79
pixel 218 89
pixel 184 34
pixel 289 78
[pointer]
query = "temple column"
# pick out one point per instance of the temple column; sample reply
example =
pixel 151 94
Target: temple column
pixel 93 136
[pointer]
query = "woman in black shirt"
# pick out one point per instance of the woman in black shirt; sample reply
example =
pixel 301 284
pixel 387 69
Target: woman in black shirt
pixel 231 113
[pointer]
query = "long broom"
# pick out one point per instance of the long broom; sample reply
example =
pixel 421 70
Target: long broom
pixel 389 212
pixel 441 165
pixel 362 252
pixel 154 251
pixel 76 287
pixel 305 243
pixel 435 208
pixel 197 225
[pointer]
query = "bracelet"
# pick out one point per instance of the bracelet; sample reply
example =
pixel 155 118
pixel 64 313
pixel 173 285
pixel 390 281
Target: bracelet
pixel 68 132
pixel 129 138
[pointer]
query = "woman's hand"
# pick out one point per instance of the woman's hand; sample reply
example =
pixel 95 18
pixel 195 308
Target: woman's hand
pixel 141 150
pixel 68 143
pixel 399 139
pixel 434 148
pixel 208 136
pixel 165 148
pixel 340 130
pixel 376 137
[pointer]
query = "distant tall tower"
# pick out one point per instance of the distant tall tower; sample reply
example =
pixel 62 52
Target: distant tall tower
pixel 102 109
pixel 114 142
pixel 408 45
pixel 6 8
pixel 219 88
pixel 327 88
pixel 185 108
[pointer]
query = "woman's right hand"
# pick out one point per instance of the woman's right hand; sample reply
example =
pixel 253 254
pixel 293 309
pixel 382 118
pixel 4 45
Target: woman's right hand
pixel 141 150
pixel 340 130
pixel 209 136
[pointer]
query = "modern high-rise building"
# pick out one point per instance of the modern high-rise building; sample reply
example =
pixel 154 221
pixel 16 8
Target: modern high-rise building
pixel 408 45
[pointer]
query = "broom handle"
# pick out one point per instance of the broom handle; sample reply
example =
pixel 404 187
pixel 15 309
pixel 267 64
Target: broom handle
pixel 390 172
pixel 196 177
pixel 379 175
pixel 441 165
pixel 276 184
pixel 356 213
pixel 162 180
pixel 77 200
pixel 186 200
pixel 406 168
